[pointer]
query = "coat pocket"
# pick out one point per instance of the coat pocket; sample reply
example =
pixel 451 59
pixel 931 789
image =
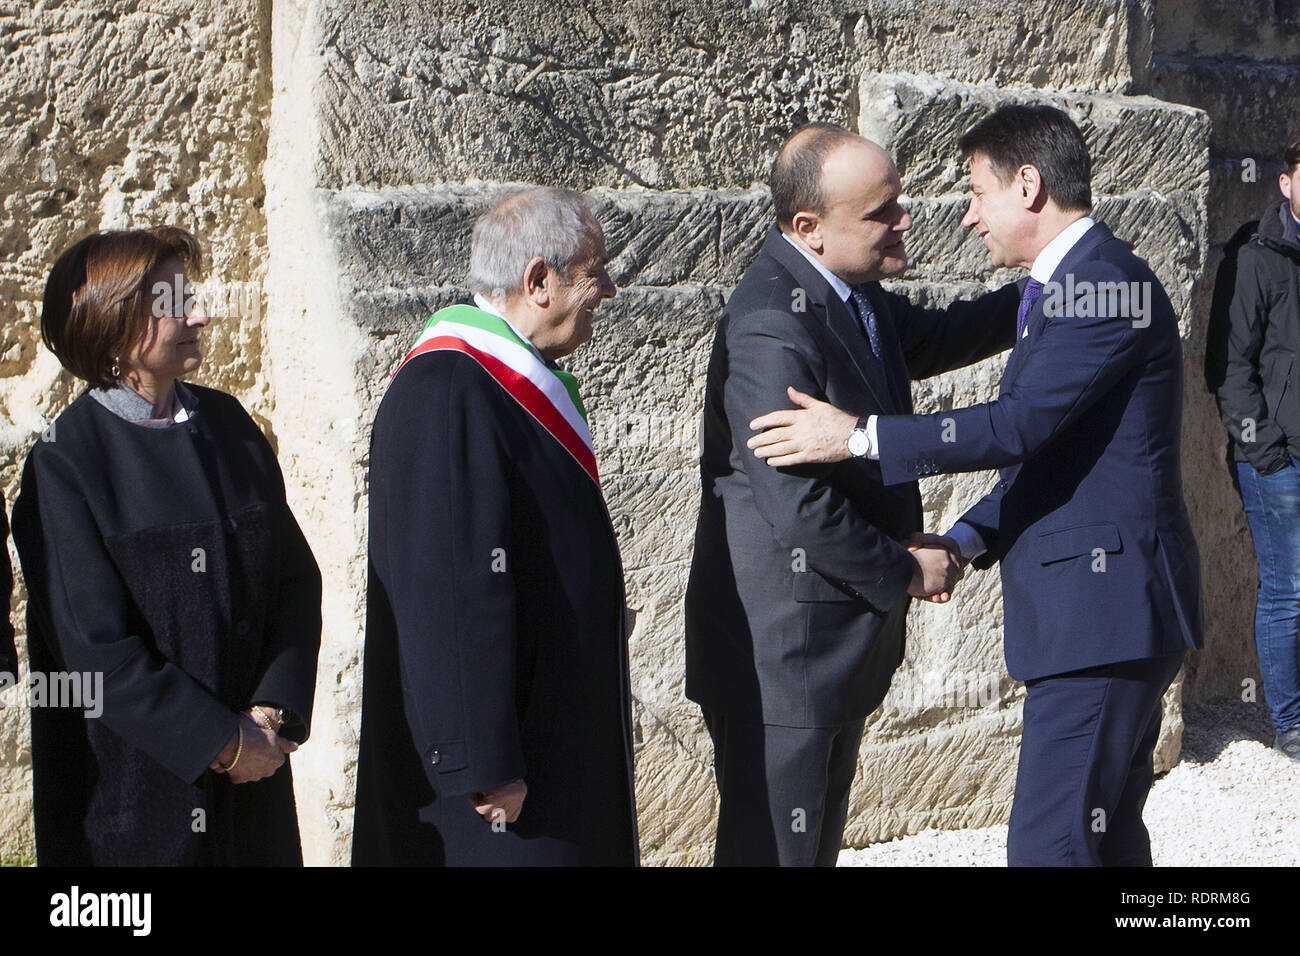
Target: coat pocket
pixel 811 586
pixel 1079 540
pixel 1277 385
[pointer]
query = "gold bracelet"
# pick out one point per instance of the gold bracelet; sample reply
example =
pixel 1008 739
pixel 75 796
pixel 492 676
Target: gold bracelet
pixel 266 722
pixel 239 749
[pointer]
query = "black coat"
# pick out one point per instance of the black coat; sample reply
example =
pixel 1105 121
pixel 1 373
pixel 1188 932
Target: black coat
pixel 495 645
pixel 1253 340
pixel 166 559
pixel 8 654
pixel 798 589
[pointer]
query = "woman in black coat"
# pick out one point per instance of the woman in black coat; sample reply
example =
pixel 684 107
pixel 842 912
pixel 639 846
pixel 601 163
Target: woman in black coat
pixel 164 567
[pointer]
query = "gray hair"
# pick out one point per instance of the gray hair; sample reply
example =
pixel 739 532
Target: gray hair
pixel 555 224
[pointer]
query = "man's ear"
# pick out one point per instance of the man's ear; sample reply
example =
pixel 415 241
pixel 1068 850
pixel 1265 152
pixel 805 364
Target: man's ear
pixel 535 276
pixel 1285 183
pixel 1030 183
pixel 808 228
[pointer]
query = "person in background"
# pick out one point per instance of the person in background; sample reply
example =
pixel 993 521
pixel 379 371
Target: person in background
pixel 164 568
pixel 1250 365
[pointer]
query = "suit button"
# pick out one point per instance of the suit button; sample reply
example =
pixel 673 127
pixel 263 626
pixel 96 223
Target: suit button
pixel 435 758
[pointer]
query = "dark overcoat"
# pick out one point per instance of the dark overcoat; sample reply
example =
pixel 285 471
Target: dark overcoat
pixel 166 560
pixel 495 645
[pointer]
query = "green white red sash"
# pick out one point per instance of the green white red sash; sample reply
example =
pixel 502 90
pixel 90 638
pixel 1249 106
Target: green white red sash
pixel 549 395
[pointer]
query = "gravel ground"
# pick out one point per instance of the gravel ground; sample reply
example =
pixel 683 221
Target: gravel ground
pixel 1231 801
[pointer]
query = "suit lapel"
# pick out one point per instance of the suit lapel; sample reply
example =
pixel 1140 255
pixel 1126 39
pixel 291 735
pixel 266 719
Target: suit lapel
pixel 899 376
pixel 824 300
pixel 1082 250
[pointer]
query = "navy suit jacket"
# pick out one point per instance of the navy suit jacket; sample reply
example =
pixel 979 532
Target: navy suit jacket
pixel 1099 564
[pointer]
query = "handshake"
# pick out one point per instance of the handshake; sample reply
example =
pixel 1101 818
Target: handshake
pixel 939 566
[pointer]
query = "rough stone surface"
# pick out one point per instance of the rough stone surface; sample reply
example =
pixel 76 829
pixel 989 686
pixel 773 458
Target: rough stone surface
pixel 392 125
pixel 117 116
pixel 1136 142
pixel 659 94
pixel 1241 188
pixel 1230 30
pixel 1257 102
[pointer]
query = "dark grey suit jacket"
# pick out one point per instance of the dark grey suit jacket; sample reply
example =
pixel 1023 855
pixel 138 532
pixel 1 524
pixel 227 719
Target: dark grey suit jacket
pixel 797 596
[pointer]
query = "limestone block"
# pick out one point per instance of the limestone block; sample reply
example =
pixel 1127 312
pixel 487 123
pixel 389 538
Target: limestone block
pixel 419 236
pixel 1253 106
pixel 1235 199
pixel 1135 142
pixel 1098 45
pixel 1261 30
pixel 654 94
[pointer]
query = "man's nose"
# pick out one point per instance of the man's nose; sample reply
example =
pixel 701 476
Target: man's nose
pixel 972 217
pixel 607 288
pixel 905 223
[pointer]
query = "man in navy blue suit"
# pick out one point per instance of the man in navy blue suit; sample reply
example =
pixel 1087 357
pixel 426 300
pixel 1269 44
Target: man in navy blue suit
pixel 1100 572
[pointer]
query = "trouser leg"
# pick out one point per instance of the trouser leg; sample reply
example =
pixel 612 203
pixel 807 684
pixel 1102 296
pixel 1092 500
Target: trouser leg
pixel 1272 505
pixel 1085 765
pixel 783 791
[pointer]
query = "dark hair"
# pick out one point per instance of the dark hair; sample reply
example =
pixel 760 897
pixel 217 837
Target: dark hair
pixel 1040 136
pixel 97 300
pixel 1292 157
pixel 797 170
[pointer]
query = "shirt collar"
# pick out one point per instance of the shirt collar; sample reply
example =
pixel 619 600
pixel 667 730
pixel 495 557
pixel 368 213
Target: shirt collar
pixel 491 309
pixel 125 402
pixel 839 285
pixel 1045 265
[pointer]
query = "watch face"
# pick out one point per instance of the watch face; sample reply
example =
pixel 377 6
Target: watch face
pixel 858 444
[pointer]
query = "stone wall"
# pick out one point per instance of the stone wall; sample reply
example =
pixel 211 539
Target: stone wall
pixel 377 131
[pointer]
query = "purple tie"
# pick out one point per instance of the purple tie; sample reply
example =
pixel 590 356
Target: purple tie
pixel 1033 289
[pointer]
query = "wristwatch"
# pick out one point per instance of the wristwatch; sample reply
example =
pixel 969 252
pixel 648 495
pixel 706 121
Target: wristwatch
pixel 858 442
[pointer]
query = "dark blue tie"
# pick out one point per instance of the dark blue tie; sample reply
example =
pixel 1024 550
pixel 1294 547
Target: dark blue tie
pixel 867 316
pixel 1033 289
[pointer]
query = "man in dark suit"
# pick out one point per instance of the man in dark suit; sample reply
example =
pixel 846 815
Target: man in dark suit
pixel 1100 573
pixel 496 721
pixel 800 581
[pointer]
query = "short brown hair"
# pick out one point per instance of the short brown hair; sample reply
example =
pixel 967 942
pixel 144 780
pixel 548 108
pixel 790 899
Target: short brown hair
pixel 797 170
pixel 97 300
pixel 1292 157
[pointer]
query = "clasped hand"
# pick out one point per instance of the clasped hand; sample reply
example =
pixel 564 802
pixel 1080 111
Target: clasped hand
pixel 262 753
pixel 939 566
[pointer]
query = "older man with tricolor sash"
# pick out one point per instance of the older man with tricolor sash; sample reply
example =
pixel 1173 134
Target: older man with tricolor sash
pixel 496 727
